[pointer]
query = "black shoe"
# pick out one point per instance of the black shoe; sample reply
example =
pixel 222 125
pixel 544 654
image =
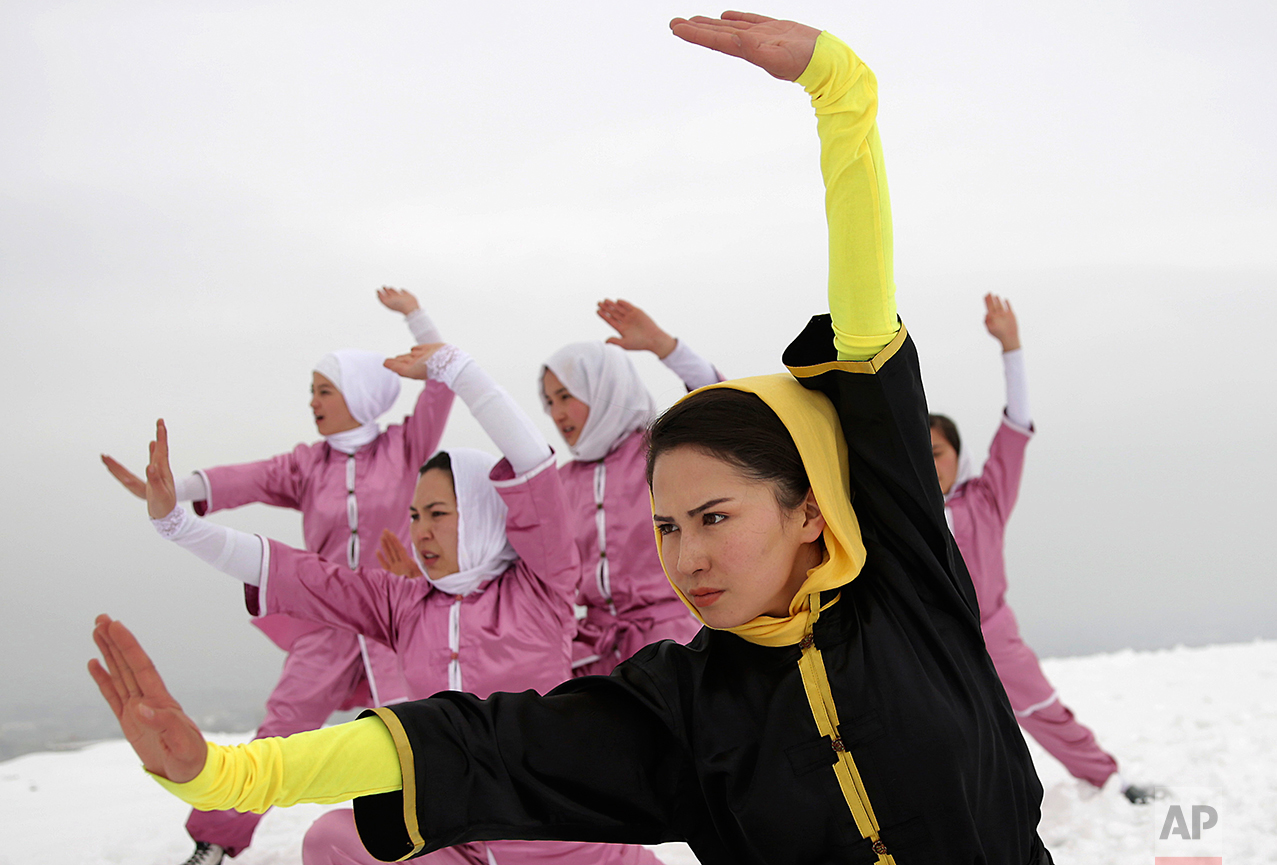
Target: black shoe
pixel 1137 795
pixel 206 854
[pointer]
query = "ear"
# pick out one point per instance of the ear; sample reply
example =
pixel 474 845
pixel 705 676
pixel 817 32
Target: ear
pixel 813 520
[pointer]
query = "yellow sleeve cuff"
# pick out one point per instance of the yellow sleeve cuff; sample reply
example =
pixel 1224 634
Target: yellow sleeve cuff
pixel 334 764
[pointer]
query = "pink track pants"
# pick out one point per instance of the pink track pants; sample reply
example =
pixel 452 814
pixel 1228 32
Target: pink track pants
pixel 334 840
pixel 1036 705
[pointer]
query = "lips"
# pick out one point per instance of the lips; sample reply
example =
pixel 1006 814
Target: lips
pixel 704 597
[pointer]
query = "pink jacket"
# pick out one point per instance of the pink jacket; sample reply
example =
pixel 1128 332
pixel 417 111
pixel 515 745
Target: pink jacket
pixel 979 510
pixel 314 478
pixel 630 602
pixel 514 633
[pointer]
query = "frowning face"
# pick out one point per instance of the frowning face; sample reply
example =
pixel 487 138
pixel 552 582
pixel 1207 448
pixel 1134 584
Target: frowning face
pixel 726 542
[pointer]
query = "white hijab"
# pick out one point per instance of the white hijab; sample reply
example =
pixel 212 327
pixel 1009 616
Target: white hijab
pixel 483 550
pixel 368 388
pixel 601 376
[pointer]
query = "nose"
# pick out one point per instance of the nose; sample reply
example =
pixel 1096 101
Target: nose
pixel 558 414
pixel 691 558
pixel 421 531
pixel 314 402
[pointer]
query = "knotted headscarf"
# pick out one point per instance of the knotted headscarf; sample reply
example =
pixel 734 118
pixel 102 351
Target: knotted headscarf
pixel 483 550
pixel 810 418
pixel 368 388
pixel 602 376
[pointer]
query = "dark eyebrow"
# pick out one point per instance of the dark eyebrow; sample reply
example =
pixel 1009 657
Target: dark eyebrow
pixel 426 507
pixel 694 511
pixel 657 518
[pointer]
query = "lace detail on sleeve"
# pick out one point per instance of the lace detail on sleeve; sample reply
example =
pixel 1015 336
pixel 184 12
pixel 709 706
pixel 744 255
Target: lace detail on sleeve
pixel 446 364
pixel 171 526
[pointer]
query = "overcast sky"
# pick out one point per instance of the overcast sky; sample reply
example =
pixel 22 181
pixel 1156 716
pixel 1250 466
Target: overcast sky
pixel 198 201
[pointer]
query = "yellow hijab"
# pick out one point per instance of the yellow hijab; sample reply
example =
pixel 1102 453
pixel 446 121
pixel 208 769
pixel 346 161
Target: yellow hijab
pixel 812 422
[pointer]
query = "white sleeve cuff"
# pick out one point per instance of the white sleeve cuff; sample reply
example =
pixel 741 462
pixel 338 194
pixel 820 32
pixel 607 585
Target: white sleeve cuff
pixel 423 329
pixel 1017 389
pixel 694 370
pixel 191 488
pixel 232 552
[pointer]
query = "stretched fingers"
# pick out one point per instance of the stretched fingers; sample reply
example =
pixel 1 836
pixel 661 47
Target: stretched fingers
pixel 139 664
pixel 131 482
pixel 718 38
pixel 121 677
pixel 746 17
pixel 106 685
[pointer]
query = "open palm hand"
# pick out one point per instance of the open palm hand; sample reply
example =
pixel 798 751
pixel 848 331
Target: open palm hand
pixel 166 739
pixel 781 48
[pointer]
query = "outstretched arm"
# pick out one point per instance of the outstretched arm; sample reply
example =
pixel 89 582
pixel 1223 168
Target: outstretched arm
pixel 236 553
pixel 844 92
pixel 638 332
pixel 330 765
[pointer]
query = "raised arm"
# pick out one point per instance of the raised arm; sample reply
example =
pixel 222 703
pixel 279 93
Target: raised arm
pixel 537 525
pixel 422 429
pixel 404 302
pixel 862 294
pixel 639 332
pixel 496 411
pixel 1000 321
pixel 1000 477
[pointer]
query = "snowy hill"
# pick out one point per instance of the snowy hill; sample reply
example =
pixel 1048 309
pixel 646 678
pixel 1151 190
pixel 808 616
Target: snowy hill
pixel 1183 718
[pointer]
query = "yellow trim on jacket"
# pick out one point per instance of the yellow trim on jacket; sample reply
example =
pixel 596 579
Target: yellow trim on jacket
pixel 867 367
pixel 407 769
pixel 820 698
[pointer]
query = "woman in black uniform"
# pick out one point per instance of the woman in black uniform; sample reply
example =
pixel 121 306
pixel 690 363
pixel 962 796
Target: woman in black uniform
pixel 840 705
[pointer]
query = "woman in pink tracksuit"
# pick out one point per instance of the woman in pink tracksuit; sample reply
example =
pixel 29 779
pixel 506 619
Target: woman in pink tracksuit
pixel 977 509
pixel 349 488
pixel 494 612
pixel 595 397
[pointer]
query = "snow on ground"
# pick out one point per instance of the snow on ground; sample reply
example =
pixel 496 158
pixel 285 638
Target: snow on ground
pixel 1183 718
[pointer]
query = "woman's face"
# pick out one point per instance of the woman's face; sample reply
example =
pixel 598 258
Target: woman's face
pixel 434 524
pixel 568 413
pixel 725 541
pixel 329 406
pixel 946 460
